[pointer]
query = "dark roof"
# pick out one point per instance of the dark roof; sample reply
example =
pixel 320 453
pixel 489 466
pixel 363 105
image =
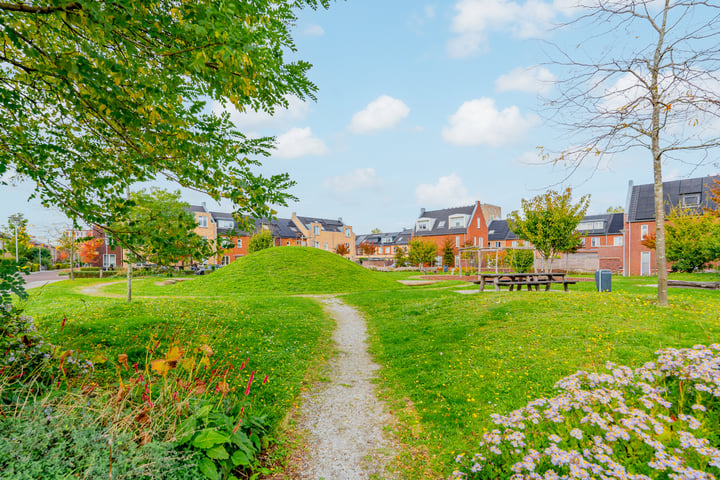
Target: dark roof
pixel 440 225
pixel 325 224
pixel 390 238
pixel 612 224
pixel 196 208
pixel 500 230
pixel 642 197
pixel 285 228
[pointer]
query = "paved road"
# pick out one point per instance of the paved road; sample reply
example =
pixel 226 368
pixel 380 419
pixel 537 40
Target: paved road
pixel 39 279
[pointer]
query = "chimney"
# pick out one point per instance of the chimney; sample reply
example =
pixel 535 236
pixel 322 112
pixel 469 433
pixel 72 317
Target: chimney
pixel 340 219
pixel 422 212
pixel 204 206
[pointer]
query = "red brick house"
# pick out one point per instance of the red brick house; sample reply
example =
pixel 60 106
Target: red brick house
pixel 463 226
pixel 693 193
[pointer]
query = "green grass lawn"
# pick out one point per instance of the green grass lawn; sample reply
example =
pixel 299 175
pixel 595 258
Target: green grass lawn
pixel 282 336
pixel 451 360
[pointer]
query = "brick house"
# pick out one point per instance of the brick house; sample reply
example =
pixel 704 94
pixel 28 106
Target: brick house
pixel 385 245
pixel 462 226
pixel 692 193
pixel 325 233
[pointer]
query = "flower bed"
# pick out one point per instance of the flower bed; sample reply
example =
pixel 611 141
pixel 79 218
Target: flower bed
pixel 657 421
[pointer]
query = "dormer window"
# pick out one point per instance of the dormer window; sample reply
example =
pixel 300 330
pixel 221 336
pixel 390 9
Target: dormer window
pixel 457 221
pixel 226 224
pixel 690 200
pixel 423 225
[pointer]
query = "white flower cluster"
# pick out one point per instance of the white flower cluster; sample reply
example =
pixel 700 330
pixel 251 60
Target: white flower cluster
pixel 627 424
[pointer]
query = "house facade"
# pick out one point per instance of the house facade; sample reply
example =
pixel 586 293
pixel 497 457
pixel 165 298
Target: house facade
pixel 462 226
pixel 384 246
pixel 325 233
pixel 692 193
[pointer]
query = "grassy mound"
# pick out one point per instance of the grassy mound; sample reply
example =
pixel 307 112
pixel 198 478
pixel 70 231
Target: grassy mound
pixel 290 270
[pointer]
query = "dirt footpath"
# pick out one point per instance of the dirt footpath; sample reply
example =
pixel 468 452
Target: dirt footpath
pixel 342 419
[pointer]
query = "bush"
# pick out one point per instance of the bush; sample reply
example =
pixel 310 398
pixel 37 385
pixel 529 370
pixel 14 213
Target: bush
pixel 657 421
pixel 519 259
pixel 48 441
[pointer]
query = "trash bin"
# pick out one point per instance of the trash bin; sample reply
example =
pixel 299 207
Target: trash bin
pixel 445 268
pixel 603 280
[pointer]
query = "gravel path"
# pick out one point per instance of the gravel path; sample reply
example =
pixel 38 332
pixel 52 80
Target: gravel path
pixel 343 418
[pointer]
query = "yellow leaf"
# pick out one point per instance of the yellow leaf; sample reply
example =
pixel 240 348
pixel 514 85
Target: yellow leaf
pixel 188 363
pixel 160 366
pixel 174 354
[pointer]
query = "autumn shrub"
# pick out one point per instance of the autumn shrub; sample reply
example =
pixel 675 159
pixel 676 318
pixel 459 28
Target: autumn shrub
pixel 660 420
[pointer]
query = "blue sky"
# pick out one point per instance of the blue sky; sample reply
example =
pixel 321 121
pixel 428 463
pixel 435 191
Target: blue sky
pixel 420 105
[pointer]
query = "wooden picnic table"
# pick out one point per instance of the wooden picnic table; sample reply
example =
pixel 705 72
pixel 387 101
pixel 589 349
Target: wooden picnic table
pixel 516 279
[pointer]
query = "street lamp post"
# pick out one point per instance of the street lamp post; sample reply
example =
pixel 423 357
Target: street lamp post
pixel 14 219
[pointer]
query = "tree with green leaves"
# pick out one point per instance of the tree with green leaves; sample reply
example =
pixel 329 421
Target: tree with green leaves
pixel 448 253
pixel 421 252
pixel 158 228
pixel 519 259
pixel 692 240
pixel 549 222
pixel 400 258
pixel 656 90
pixel 96 95
pixel 260 241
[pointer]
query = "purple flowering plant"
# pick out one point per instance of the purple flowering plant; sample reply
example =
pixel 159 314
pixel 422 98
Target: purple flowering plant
pixel 661 420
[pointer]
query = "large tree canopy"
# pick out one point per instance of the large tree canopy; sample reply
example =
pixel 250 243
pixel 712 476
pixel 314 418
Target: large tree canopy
pixel 96 95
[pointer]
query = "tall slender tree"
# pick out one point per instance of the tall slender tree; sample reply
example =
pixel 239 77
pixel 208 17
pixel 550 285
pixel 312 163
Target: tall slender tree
pixel 645 74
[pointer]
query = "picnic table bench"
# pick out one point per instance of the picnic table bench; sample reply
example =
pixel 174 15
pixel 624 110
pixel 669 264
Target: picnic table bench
pixel 518 280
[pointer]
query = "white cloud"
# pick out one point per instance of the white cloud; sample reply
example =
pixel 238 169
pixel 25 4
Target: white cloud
pixel 475 18
pixel 447 192
pixel 359 179
pixel 526 79
pixel 314 31
pixel 297 110
pixel 429 11
pixel 299 142
pixel 479 122
pixel 382 113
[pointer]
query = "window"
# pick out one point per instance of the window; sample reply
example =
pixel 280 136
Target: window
pixel 287 243
pixel 347 245
pixel 595 242
pixel 226 223
pixel 317 244
pixel 643 232
pixel 424 225
pixel 497 244
pixel 109 261
pixel 457 221
pixel 387 249
pixel 326 245
pixel 225 260
pixel 618 241
pixel 348 232
pixel 457 242
pixel 202 221
pixel 514 243
pixel 591 225
pixel 478 222
pixel 690 200
pixel 316 229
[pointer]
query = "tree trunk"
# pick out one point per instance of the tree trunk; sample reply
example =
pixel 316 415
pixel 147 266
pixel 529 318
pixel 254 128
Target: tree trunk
pixel 660 260
pixel 129 282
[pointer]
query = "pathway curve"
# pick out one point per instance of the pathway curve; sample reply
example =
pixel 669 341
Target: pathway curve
pixel 343 418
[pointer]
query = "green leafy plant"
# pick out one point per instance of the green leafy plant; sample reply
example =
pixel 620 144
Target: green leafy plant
pixel 260 241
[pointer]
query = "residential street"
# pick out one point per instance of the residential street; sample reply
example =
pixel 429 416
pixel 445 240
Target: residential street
pixel 39 279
